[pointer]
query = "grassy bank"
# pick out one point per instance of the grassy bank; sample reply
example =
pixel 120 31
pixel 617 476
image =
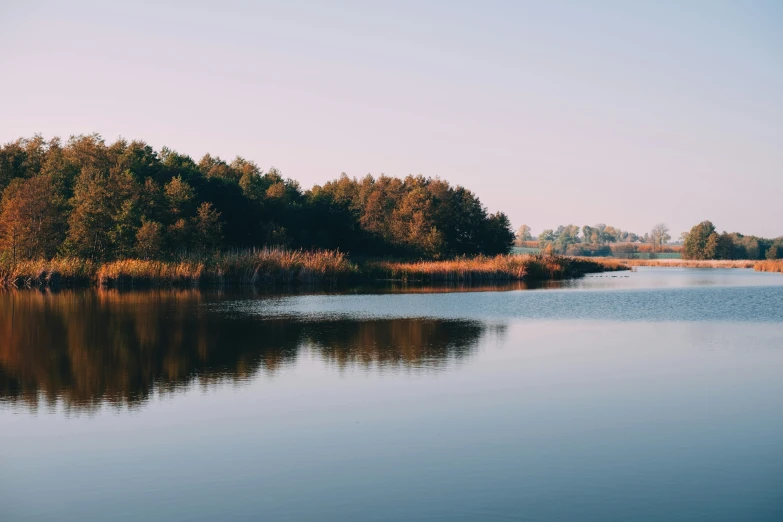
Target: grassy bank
pixel 275 266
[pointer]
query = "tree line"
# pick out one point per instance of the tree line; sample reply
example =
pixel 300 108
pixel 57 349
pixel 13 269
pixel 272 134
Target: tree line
pixel 90 199
pixel 704 242
pixel 591 240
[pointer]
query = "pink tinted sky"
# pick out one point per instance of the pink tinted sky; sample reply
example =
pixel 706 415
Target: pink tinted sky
pixel 554 112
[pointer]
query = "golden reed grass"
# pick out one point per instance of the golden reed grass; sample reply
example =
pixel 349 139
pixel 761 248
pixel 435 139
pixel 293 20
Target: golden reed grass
pixel 498 268
pixel 277 266
pixel 693 263
pixel 772 265
pixel 40 272
pixel 253 267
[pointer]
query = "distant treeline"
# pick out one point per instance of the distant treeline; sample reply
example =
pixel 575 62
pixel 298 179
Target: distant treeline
pixel 620 250
pixel 87 199
pixel 704 242
pixel 596 240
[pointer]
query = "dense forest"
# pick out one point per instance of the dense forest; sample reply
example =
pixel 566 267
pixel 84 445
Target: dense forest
pixel 85 198
pixel 704 242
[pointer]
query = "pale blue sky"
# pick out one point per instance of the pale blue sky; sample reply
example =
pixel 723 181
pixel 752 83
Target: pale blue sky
pixel 627 113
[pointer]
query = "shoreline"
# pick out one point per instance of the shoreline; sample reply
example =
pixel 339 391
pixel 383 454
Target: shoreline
pixel 280 267
pixel 764 265
pixel 274 267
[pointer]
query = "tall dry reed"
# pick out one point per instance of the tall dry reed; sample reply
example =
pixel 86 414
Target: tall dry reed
pixel 279 266
pixel 498 268
pixel 251 267
pixel 131 272
pixel 693 263
pixel 771 265
pixel 40 272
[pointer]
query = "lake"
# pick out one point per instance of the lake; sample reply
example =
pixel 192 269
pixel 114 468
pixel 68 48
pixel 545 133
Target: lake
pixel 655 395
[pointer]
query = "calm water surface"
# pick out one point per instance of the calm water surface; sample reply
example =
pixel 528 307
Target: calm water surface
pixel 648 396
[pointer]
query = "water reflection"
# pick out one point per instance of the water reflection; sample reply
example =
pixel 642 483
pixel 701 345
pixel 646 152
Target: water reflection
pixel 86 348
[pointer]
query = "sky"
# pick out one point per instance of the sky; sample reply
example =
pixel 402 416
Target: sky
pixel 625 113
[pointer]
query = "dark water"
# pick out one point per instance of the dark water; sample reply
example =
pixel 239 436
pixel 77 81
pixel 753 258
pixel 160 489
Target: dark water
pixel 650 396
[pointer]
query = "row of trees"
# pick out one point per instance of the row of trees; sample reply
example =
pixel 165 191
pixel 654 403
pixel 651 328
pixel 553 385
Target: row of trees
pixel 704 242
pixel 105 201
pixel 567 239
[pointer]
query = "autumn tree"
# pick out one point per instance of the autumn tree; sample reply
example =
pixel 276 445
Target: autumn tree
pixel 105 215
pixel 698 244
pixel 660 235
pixel 207 227
pixel 524 234
pixel 30 218
pixel 775 250
pixel 149 240
pixel 179 194
pixel 724 246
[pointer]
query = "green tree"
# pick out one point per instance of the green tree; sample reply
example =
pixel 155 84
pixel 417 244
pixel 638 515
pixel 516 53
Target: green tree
pixel 775 250
pixel 498 236
pixel 90 222
pixel 565 237
pixel 106 214
pixel 546 238
pixel 724 247
pixel 587 234
pixel 696 244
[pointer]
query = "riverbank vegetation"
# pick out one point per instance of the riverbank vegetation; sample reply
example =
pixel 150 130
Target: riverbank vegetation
pixel 252 267
pixel 277 266
pixel 499 268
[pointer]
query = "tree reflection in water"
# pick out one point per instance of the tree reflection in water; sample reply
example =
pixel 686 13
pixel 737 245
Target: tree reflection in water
pixel 87 348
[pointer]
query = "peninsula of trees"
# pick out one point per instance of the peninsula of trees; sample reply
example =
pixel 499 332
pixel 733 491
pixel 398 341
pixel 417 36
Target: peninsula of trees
pixel 89 199
pixel 704 242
